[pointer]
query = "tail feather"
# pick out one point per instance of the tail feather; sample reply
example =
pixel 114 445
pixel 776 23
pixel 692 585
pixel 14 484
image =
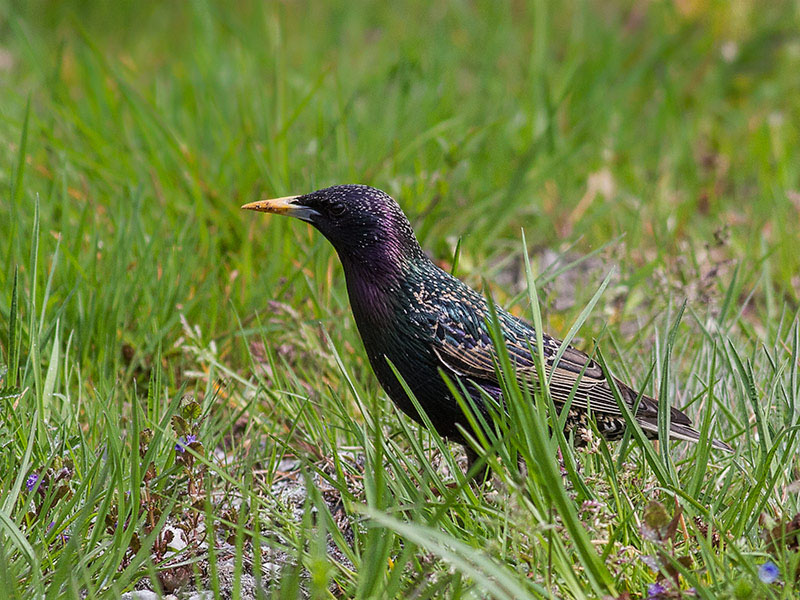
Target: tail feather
pixel 679 431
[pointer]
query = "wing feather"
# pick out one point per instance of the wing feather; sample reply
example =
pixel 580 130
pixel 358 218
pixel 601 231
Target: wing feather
pixel 471 354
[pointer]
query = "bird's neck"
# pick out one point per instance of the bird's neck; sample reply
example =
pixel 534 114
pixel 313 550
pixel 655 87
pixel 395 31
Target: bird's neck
pixel 376 286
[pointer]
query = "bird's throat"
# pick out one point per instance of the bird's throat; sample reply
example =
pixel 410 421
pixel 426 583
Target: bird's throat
pixel 372 288
pixel 377 277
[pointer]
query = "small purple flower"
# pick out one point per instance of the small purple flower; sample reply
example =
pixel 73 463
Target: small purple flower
pixel 654 591
pixel 183 442
pixel 33 479
pixel 768 572
pixel 62 536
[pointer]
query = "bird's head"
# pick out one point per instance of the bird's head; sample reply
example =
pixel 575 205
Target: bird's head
pixel 365 225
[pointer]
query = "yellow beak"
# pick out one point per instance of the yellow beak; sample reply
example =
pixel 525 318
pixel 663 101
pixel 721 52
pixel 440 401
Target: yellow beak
pixel 279 206
pixel 283 206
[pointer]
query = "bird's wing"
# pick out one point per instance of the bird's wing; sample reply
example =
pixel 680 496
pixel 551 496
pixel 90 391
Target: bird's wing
pixel 465 348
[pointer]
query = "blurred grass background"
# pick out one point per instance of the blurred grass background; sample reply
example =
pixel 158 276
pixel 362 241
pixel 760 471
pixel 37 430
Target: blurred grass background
pixel 660 138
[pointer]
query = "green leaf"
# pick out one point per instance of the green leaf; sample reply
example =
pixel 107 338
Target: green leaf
pixel 180 426
pixel 192 411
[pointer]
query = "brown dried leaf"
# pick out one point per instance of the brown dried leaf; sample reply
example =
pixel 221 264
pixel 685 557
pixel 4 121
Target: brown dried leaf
pixel 784 535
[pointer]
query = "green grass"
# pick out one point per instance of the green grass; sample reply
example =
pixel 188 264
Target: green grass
pixel 659 139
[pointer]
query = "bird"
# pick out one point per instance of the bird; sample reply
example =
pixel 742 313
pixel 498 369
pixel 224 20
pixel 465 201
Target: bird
pixel 422 322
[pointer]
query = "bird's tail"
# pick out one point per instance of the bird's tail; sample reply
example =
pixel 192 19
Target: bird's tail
pixel 681 431
pixel 680 425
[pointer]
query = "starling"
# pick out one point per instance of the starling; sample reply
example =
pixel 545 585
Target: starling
pixel 421 319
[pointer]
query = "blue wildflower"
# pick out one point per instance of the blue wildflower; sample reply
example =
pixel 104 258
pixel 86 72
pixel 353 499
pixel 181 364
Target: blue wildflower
pixel 183 442
pixel 768 572
pixel 62 536
pixel 31 482
pixel 654 591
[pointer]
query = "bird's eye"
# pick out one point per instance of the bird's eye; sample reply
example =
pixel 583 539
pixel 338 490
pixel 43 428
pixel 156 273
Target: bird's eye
pixel 337 209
